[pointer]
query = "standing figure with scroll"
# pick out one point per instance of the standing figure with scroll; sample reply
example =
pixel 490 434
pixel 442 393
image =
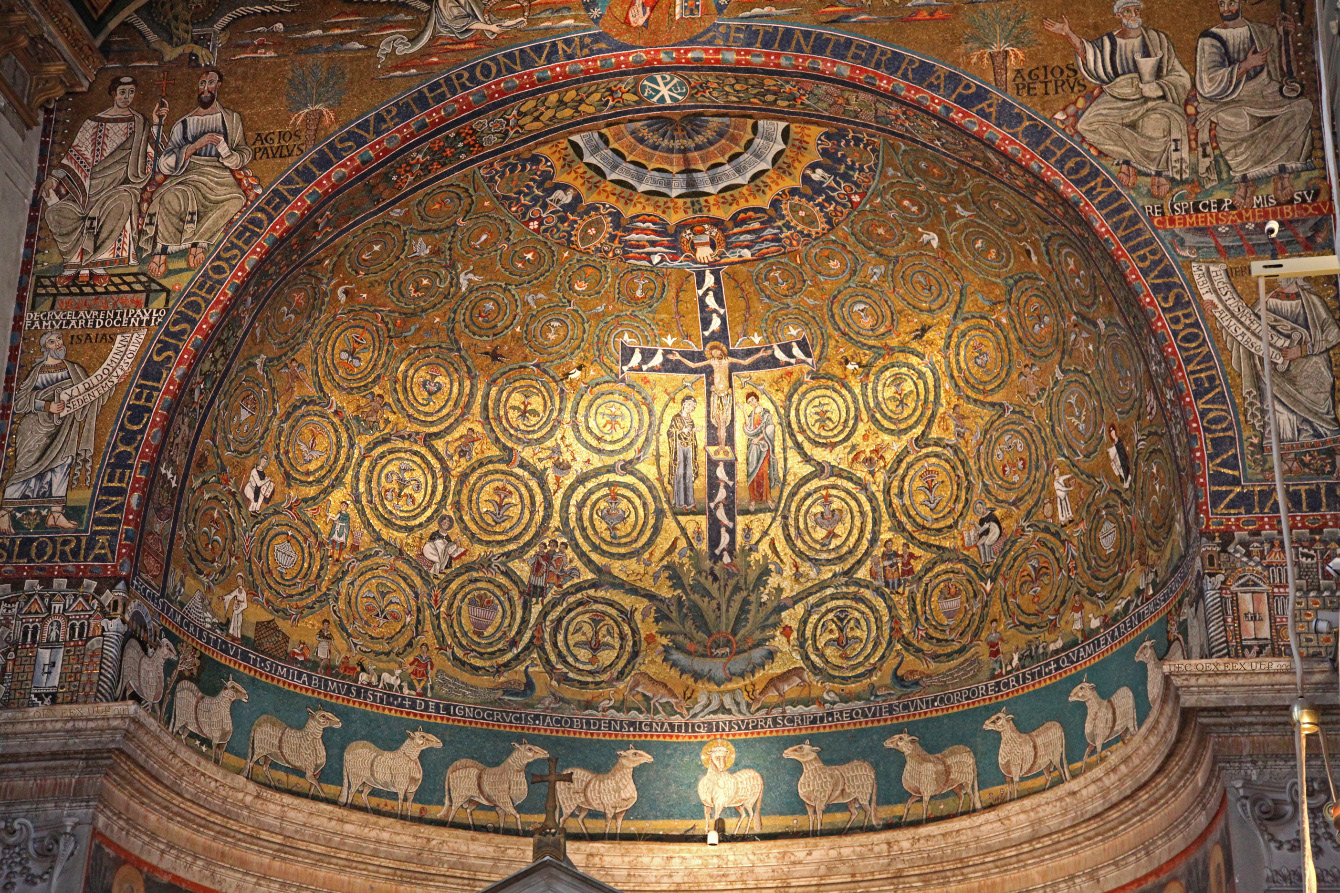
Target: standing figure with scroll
pixel 53 443
pixel 1304 407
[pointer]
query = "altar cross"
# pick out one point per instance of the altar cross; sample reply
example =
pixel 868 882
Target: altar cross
pixel 549 837
pixel 550 779
pixel 716 364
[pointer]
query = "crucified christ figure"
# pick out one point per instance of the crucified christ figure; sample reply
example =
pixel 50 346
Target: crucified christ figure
pixel 721 400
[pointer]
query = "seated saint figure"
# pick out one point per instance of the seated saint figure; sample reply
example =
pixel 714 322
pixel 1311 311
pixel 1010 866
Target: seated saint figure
pixel 1139 119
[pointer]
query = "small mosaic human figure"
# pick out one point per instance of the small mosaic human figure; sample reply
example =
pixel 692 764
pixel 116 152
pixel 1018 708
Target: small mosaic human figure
pixel 884 567
pixel 1116 455
pixel 559 571
pixel 421 669
pixel 440 548
pixel 258 489
pixel 537 584
pixel 339 530
pixel 1062 484
pixel 235 603
pixel 989 533
pixel 993 648
pixel 325 648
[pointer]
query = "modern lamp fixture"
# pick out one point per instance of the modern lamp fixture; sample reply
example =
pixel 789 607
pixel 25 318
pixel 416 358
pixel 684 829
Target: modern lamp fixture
pixel 714 833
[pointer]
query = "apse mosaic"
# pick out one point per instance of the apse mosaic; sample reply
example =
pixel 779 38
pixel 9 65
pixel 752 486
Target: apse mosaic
pixel 766 388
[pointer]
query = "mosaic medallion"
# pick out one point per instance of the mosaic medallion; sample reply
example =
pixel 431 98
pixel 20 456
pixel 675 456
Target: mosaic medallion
pixel 400 485
pixel 612 515
pixel 846 633
pixel 504 506
pixel 830 521
pixel 927 491
pixel 590 638
pixel 377 603
pixel 433 388
pixel 316 447
pixel 288 560
pixel 484 620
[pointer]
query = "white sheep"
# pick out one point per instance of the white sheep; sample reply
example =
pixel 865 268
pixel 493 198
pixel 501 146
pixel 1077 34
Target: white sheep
pixel 194 712
pixel 928 775
pixel 1027 753
pixel 1106 718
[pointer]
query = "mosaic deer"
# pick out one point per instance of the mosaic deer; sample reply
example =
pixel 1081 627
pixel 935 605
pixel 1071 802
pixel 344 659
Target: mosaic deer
pixel 302 749
pixel 367 766
pixel 612 793
pixel 471 783
pixel 211 718
pixel 821 786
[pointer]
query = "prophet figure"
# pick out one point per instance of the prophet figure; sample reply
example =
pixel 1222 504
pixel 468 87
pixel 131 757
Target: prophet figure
pixel 199 186
pixel 1304 407
pixel 1240 80
pixel 1139 119
pixel 92 196
pixel 683 436
pixel 53 443
pixel 761 457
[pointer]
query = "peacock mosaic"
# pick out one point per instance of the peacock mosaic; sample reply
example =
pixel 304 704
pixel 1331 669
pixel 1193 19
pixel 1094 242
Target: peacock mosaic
pixel 750 413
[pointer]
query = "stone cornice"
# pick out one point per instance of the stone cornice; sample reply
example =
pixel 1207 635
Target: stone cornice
pixel 168 805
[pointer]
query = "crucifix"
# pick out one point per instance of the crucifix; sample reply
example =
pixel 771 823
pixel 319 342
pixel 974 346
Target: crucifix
pixel 549 837
pixel 716 364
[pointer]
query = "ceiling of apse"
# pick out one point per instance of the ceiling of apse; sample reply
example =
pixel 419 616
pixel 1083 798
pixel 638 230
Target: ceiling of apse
pixel 683 421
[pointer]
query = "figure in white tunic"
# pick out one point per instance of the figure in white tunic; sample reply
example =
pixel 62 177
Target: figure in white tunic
pixel 1062 484
pixel 258 489
pixel 235 603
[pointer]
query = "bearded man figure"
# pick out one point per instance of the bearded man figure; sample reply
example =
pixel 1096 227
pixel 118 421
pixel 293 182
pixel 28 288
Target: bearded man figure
pixel 92 195
pixel 1139 120
pixel 53 445
pixel 199 185
pixel 1262 132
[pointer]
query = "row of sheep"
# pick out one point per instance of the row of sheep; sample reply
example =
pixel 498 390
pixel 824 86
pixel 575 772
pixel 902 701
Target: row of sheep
pixel 470 784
